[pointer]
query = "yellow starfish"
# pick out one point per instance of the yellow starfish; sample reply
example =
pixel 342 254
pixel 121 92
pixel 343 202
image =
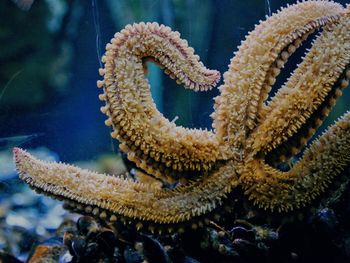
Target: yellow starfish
pixel 249 134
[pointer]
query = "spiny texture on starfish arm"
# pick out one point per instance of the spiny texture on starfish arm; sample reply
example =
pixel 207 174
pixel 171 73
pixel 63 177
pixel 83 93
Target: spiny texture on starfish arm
pixel 150 140
pixel 292 117
pixel 250 136
pixel 312 89
pixel 118 196
pixel 284 191
pixel 259 61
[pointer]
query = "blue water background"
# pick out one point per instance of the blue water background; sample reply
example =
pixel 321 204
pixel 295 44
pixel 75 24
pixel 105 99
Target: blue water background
pixel 73 126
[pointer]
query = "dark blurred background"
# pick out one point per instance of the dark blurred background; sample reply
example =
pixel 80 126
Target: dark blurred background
pixel 49 59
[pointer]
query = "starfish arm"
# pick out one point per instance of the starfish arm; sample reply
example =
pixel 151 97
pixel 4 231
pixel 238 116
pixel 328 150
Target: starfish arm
pixel 150 140
pixel 257 63
pixel 322 162
pixel 306 99
pixel 122 197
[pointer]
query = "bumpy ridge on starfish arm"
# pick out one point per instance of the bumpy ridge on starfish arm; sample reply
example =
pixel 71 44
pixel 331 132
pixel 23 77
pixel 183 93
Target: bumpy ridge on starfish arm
pixel 307 88
pixel 123 197
pixel 257 63
pixel 284 191
pixel 150 140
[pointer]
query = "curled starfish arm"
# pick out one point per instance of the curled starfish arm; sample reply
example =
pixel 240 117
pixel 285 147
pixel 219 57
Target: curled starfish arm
pixel 115 197
pixel 150 140
pixel 301 105
pixel 251 137
pixel 258 62
pixel 284 191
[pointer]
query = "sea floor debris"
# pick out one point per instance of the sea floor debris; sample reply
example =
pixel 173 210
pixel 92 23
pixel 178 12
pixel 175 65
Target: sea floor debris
pixel 323 234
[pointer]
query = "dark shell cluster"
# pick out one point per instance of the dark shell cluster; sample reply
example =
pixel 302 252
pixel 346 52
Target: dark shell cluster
pixel 319 237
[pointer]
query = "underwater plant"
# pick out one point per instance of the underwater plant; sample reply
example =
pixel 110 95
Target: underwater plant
pixel 251 135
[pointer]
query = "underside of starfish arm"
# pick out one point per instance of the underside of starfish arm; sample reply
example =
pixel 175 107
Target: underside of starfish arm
pixel 150 140
pixel 126 198
pixel 257 63
pixel 301 105
pixel 284 191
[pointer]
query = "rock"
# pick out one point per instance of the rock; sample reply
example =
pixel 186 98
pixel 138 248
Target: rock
pixel 131 256
pixel 242 233
pixel 154 250
pixel 48 251
pixel 7 258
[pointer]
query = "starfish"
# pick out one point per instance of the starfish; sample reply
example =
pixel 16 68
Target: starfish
pixel 251 134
